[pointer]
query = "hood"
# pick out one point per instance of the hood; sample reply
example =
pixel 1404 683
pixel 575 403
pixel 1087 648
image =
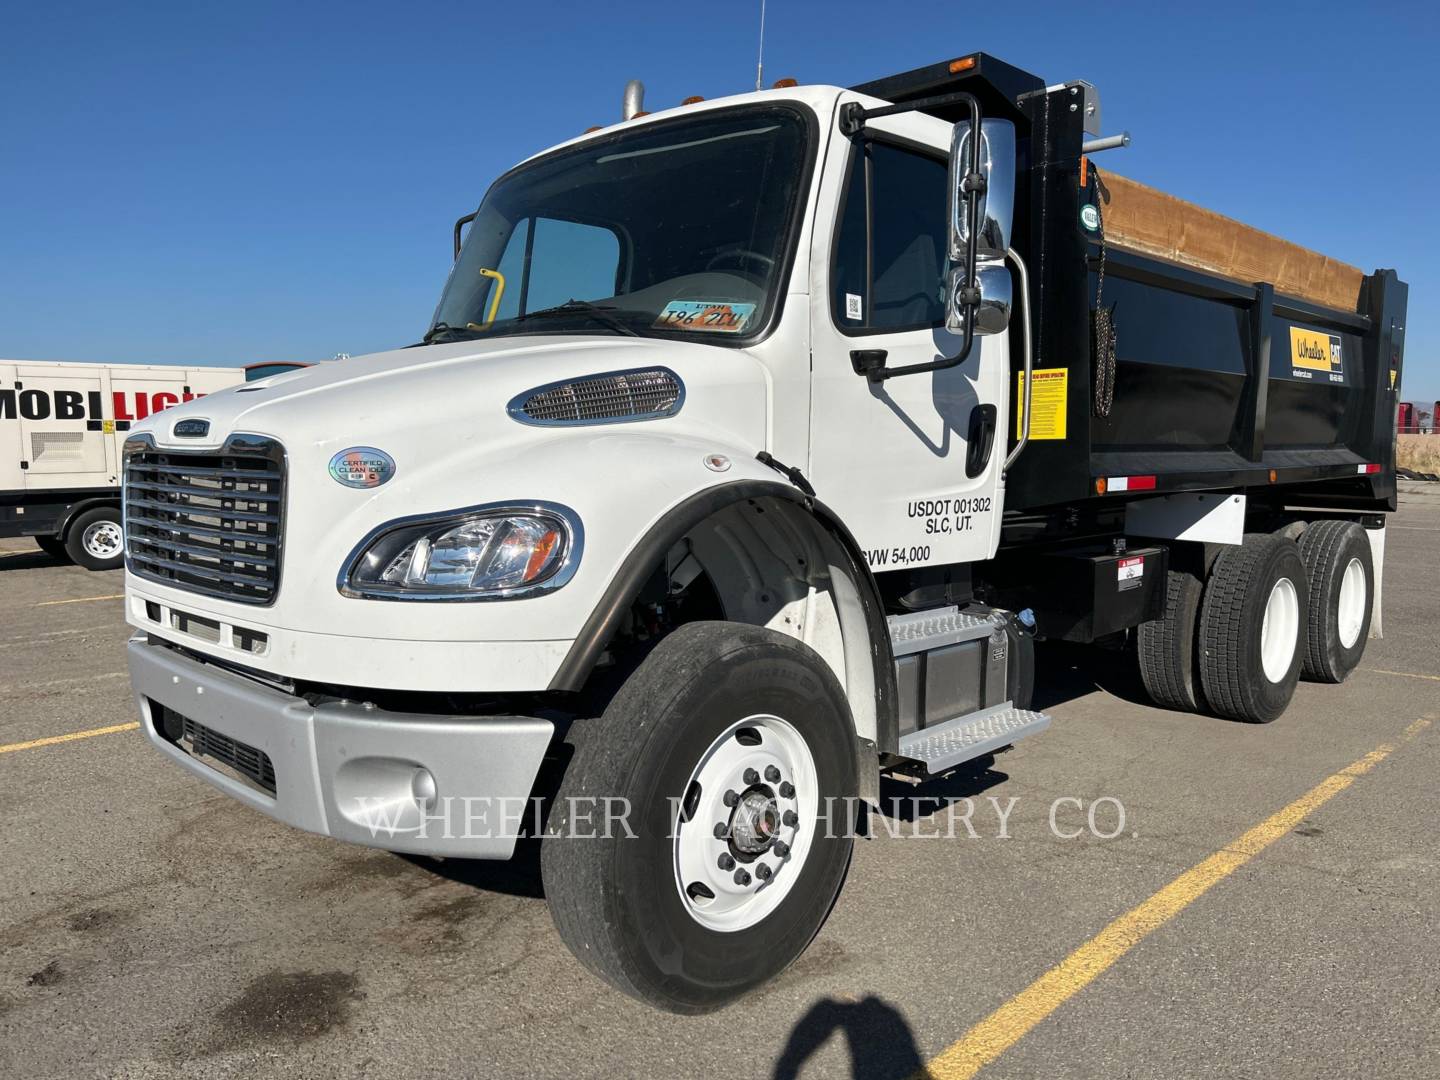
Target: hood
pixel 463 387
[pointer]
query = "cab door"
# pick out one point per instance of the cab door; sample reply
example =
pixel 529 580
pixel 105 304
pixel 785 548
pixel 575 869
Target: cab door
pixel 894 459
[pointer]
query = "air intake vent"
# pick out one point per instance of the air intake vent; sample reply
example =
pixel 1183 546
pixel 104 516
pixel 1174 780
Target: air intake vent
pixel 57 446
pixel 613 398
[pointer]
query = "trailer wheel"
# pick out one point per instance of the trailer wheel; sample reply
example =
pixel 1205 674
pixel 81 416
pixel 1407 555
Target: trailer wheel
pixel 1252 620
pixel 1167 646
pixel 733 751
pixel 95 539
pixel 1342 582
pixel 54 547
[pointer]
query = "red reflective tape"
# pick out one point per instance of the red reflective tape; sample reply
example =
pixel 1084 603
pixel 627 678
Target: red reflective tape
pixel 1142 483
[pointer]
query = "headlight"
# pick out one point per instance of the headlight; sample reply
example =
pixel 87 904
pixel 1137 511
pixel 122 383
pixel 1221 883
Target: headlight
pixel 484 553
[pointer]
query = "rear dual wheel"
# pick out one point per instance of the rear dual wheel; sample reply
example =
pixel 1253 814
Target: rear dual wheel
pixel 730 755
pixel 1252 627
pixel 1342 583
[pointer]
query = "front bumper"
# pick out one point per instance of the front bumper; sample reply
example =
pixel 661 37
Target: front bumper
pixel 435 785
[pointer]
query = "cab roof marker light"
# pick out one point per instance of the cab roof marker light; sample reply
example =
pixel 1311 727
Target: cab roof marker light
pixel 965 63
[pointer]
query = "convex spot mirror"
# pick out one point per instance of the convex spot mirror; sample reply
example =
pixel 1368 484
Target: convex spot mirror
pixel 992 239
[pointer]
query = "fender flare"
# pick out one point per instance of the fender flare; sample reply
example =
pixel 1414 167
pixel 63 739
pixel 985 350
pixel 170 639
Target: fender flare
pixel 84 506
pixel 630 578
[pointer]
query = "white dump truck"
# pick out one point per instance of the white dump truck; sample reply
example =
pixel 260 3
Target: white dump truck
pixel 751 446
pixel 62 426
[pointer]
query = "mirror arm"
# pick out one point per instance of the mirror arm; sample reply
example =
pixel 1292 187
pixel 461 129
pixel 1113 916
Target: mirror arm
pixel 974 186
pixel 460 225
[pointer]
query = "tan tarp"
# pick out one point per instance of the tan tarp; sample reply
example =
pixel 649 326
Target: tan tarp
pixel 1145 220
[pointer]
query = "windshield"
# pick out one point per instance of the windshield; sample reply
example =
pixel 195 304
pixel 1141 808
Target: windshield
pixel 675 230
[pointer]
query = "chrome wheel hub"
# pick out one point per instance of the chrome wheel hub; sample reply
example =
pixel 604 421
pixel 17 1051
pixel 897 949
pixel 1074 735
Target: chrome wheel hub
pixel 103 540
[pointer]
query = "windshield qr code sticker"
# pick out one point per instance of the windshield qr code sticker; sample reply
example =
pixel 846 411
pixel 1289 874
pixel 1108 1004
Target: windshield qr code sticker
pixel 709 316
pixel 854 308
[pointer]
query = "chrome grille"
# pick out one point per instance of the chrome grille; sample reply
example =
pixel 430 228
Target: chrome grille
pixel 207 523
pixel 643 394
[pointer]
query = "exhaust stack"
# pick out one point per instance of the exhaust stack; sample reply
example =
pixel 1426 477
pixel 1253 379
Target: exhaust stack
pixel 634 99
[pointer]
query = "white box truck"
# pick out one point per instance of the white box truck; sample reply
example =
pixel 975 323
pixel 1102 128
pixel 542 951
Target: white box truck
pixel 750 447
pixel 61 430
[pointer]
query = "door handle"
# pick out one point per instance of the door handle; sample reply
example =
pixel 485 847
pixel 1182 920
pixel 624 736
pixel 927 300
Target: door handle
pixel 981 439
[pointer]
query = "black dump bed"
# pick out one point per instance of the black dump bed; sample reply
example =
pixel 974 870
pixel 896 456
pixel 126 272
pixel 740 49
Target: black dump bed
pixel 1220 381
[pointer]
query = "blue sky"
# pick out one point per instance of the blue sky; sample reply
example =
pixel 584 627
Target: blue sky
pixel 252 181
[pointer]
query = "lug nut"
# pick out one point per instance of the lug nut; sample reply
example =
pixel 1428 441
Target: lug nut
pixel 721 830
pixel 727 861
pixel 763 871
pixel 787 790
pixel 772 774
pixel 751 776
pixel 790 819
pixel 781 848
pixel 731 798
pixel 742 878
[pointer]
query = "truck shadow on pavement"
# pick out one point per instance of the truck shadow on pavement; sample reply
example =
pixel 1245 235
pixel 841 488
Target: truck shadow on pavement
pixel 27 560
pixel 519 876
pixel 1064 672
pixel 880 1041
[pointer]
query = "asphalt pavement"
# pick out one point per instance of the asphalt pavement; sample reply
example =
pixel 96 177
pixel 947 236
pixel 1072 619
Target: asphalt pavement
pixel 151 927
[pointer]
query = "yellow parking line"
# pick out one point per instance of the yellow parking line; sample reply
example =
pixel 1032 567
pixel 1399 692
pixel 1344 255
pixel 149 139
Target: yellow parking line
pixel 1405 674
pixel 35 744
pixel 81 600
pixel 1008 1024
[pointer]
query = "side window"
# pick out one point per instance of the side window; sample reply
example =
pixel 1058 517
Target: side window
pixel 889 269
pixel 566 260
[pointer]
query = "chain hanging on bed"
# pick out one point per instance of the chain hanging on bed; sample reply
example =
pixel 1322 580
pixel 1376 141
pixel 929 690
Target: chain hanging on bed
pixel 1102 319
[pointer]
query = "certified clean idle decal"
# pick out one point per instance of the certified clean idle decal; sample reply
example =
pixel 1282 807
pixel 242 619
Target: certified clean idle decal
pixel 362 467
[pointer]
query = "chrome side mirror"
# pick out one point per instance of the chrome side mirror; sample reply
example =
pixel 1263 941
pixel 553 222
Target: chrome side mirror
pixel 995 211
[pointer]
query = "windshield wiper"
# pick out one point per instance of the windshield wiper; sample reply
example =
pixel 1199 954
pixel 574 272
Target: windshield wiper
pixel 445 328
pixel 570 307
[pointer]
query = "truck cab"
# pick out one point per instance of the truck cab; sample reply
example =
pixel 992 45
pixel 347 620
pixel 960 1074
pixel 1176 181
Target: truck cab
pixel 666 539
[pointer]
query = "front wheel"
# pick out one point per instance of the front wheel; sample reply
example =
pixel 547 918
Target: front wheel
pixel 703 828
pixel 96 541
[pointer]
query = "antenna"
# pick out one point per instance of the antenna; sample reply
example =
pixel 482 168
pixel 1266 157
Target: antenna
pixel 760 60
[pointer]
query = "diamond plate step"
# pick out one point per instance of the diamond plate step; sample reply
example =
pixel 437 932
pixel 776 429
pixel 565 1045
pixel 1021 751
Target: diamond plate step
pixel 966 737
pixel 924 630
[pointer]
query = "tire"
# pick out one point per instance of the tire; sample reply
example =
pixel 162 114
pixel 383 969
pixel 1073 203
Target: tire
pixel 54 547
pixel 618 901
pixel 95 540
pixel 1250 660
pixel 1342 585
pixel 1167 646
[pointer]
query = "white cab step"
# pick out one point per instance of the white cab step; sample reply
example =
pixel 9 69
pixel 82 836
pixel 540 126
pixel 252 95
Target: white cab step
pixel 946 745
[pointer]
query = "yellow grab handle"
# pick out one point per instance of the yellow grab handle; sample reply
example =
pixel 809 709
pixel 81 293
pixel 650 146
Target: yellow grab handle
pixel 494 302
